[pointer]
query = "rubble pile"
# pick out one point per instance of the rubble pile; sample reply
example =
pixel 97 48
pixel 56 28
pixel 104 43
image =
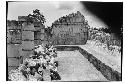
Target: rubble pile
pixel 40 66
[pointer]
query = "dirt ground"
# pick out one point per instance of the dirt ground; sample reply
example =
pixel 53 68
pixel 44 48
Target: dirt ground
pixel 74 67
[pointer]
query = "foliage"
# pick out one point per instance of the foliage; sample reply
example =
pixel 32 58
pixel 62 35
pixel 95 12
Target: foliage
pixel 106 38
pixel 37 16
pixel 48 31
pixel 33 67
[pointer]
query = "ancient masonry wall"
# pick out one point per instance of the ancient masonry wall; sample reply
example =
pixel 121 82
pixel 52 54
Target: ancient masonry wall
pixel 22 36
pixel 70 30
pixel 27 39
pixel 14 47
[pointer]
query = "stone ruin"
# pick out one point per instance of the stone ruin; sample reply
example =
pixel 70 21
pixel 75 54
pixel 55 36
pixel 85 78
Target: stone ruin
pixel 71 29
pixel 22 36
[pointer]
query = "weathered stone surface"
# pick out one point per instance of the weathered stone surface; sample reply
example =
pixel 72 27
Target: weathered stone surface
pixel 13 62
pixel 22 18
pixel 71 31
pixel 27 44
pixel 14 36
pixel 14 50
pixel 107 71
pixel 28 26
pixel 12 40
pixel 13 24
pixel 20 39
pixel 27 35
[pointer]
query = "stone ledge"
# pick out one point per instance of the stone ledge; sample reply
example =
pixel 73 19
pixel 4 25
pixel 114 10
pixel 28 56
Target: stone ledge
pixel 109 73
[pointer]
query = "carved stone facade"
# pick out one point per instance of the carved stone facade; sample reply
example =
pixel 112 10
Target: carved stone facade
pixel 71 29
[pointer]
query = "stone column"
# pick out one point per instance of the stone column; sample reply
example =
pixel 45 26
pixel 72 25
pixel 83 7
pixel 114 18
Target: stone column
pixel 27 39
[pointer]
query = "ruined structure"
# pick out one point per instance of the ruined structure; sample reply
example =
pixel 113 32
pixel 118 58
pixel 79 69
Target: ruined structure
pixel 71 29
pixel 22 36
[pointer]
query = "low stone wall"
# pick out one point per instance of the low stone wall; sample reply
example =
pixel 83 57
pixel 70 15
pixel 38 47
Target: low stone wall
pixel 67 48
pixel 106 71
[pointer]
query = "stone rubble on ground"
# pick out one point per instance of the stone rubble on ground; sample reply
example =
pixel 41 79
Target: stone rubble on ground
pixel 40 66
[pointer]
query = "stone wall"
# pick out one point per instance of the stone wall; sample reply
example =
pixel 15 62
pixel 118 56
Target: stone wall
pixel 21 40
pixel 70 30
pixel 109 73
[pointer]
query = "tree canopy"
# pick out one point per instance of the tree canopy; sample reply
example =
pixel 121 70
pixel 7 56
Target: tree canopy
pixel 37 16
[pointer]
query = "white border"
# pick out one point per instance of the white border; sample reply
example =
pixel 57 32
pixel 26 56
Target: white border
pixel 3 37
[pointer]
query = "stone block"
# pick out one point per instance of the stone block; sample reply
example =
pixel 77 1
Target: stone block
pixel 13 40
pixel 28 26
pixel 42 30
pixel 28 45
pixel 13 62
pixel 27 35
pixel 14 50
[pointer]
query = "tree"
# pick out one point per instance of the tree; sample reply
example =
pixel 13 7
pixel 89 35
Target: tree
pixel 48 31
pixel 37 16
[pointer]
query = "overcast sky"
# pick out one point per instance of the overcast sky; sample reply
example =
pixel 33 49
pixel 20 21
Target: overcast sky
pixel 52 10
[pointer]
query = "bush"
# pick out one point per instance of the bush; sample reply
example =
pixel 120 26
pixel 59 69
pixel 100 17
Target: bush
pixel 105 38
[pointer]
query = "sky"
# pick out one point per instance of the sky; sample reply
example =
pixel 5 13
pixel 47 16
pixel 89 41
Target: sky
pixel 52 10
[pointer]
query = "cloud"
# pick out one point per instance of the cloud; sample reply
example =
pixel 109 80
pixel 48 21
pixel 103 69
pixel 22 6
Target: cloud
pixel 52 10
pixel 64 6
